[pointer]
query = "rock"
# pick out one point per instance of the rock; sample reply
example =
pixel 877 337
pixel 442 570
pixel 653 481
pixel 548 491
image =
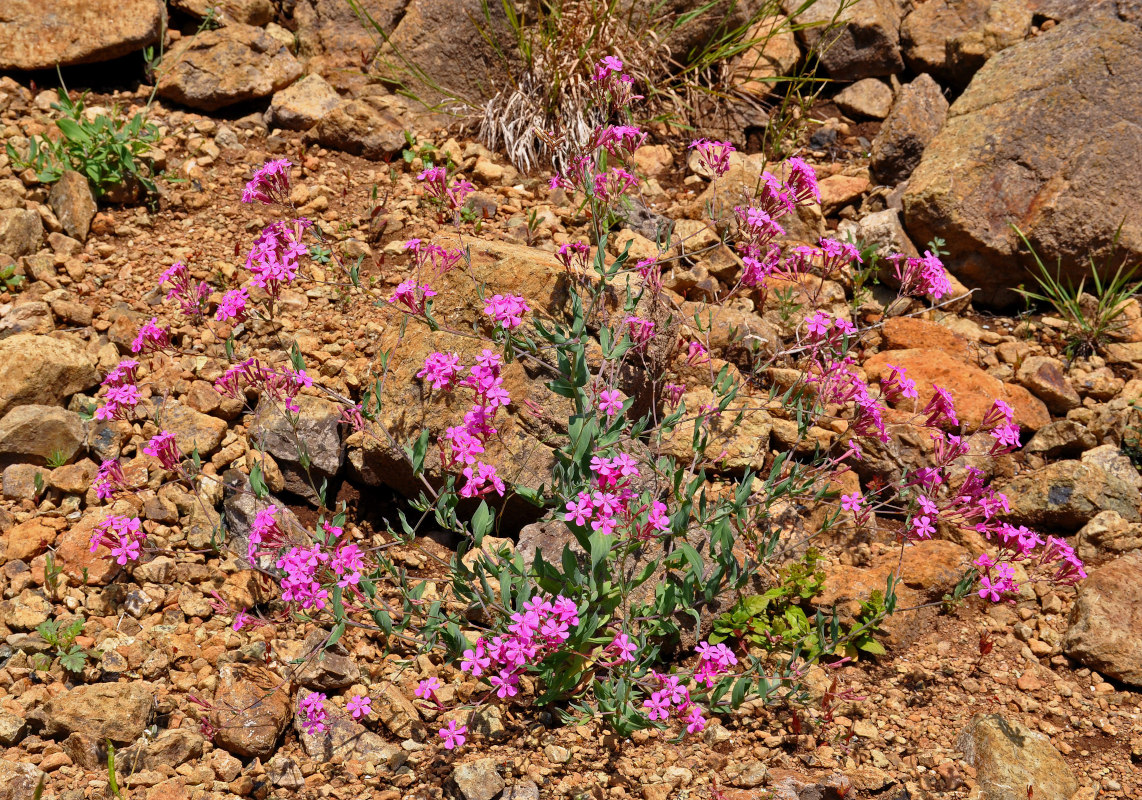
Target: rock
pixel 1107 532
pixel 73 552
pixel 19 781
pixel 775 55
pixel 73 202
pixel 25 611
pixel 1038 140
pixel 284 772
pixel 70 32
pixel 333 40
pixel 251 709
pixel 478 780
pixel 1065 495
pixel 172 747
pixel 44 370
pixel 1008 758
pixel 740 182
pixel 884 228
pixel 973 390
pixel 869 98
pixel 227 12
pixel 951 39
pixel 12 730
pixel 191 429
pixel 439 37
pixel 21 232
pixel 906 333
pixel 397 713
pixel 1114 462
pixel 345 739
pixel 865 45
pixel 372 126
pixel 1061 438
pixel 915 119
pixel 317 434
pixel 1047 379
pixel 226 66
pixel 28 317
pixel 18 481
pixel 1105 624
pixel 39 434
pixel 839 190
pixel 735 445
pixel 302 105
pixel 322 669
pixel 29 539
pixel 116 711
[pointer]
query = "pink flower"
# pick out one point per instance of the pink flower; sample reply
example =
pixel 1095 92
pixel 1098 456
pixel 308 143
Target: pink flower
pixel 714 156
pixel 151 338
pixel 426 689
pixel 506 310
pixel 162 446
pixel 453 735
pixel 269 185
pixel 233 306
pixel 852 502
pixel 441 370
pixel 624 648
pixel 412 295
pixel 359 705
pixel 610 402
pixel 312 708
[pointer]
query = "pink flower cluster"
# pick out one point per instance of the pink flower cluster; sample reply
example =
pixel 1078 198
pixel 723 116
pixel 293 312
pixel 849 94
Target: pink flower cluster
pixel 613 505
pixel 280 385
pixel 532 634
pixel 190 293
pixel 465 442
pixel 269 185
pixel 151 338
pixel 162 446
pixel 506 310
pixel 713 156
pixel 109 479
pixel 233 306
pixel 123 536
pixel 273 260
pixel 921 277
pixel 451 195
pixel 122 391
pixel 313 714
pixel 412 295
pixel 428 255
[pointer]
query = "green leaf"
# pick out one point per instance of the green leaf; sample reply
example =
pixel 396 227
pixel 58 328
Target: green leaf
pixel 258 482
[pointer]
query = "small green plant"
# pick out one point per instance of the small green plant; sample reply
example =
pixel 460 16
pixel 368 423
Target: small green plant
pixel 56 459
pixel 52 571
pixel 320 253
pixel 533 223
pixel 9 280
pixel 112 781
pixel 38 483
pixel 865 271
pixel 62 638
pixel 1088 324
pixel 787 305
pixel 779 618
pixel 107 150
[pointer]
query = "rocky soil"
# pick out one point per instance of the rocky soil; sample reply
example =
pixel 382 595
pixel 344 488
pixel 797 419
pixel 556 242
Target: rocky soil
pixel 950 119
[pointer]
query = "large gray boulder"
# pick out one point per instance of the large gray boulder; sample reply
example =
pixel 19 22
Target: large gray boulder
pixel 1045 137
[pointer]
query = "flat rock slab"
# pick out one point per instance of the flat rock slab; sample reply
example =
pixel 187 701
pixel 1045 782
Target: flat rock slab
pixel 36 35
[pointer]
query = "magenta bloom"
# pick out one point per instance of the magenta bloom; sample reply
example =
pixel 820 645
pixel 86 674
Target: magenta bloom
pixel 426 689
pixel 359 705
pixel 610 402
pixel 151 338
pixel 162 446
pixel 506 310
pixel 852 502
pixel 312 708
pixel 233 306
pixel 453 735
pixel 269 185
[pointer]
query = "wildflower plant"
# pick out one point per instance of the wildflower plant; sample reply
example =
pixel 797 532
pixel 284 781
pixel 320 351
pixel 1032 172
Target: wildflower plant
pixel 660 532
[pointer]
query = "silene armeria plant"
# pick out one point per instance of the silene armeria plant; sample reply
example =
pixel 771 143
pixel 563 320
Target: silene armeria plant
pixel 615 622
